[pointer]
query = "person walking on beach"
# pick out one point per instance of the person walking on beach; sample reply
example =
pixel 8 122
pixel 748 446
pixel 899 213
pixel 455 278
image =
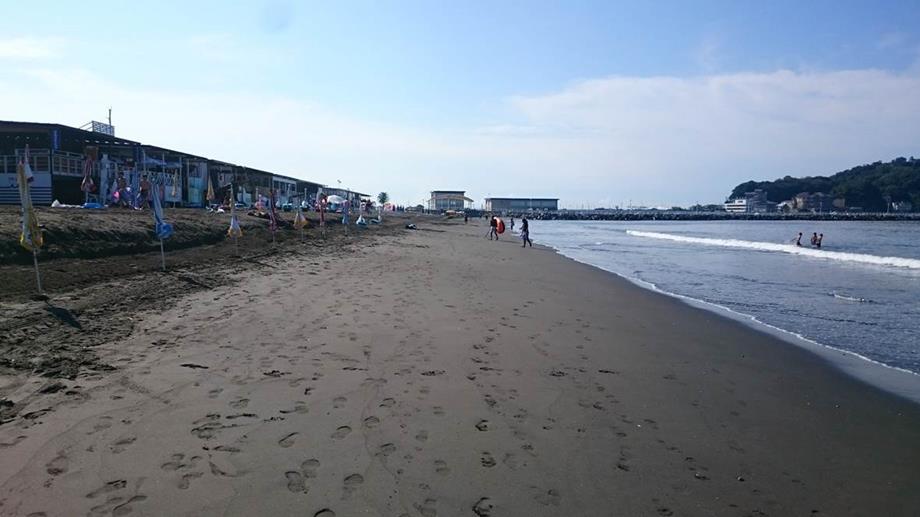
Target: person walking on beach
pixel 798 240
pixel 525 233
pixel 493 228
pixel 512 223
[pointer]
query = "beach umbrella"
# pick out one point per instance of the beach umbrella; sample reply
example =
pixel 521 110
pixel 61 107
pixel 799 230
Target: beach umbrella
pixel 31 236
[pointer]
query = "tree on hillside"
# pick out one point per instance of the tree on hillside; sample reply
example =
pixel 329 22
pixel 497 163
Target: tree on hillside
pixel 869 186
pixel 383 198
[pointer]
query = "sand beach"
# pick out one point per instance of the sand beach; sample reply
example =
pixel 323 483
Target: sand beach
pixel 419 373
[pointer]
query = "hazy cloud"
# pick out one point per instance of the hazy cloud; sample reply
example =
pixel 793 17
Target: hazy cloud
pixel 28 48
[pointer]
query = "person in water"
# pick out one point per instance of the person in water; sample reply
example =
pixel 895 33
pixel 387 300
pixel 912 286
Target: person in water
pixel 818 240
pixel 525 232
pixel 512 223
pixel 798 240
pixel 814 238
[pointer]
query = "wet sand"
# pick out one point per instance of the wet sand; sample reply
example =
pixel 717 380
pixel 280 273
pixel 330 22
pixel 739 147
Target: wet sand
pixel 441 374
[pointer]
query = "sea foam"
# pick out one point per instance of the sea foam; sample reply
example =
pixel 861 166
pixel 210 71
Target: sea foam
pixel 862 258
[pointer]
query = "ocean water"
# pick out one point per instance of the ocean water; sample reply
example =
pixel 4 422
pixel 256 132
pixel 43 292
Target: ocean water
pixel 860 293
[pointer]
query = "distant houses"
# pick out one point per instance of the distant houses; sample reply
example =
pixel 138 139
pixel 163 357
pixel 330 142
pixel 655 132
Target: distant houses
pixel 756 202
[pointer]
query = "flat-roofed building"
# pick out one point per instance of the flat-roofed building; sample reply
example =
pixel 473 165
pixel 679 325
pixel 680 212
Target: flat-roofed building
pixel 521 204
pixel 448 200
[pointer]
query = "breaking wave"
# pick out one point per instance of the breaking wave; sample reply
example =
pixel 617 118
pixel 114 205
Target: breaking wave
pixel 786 248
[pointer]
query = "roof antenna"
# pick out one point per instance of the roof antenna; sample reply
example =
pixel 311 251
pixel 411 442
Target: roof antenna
pixel 110 115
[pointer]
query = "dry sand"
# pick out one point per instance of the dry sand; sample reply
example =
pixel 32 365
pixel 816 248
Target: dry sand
pixel 443 374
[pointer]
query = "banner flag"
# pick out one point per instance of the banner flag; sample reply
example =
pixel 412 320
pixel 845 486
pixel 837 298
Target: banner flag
pixel 163 229
pixel 272 215
pixel 210 195
pixel 235 230
pixel 300 220
pixel 31 236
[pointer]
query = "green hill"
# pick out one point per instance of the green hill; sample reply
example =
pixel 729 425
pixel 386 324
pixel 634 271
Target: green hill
pixel 866 186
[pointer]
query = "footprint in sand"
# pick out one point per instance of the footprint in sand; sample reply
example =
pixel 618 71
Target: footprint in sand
pixel 287 440
pixel 422 436
pixel 386 449
pixel 428 508
pixel 487 460
pixel 371 422
pixel 440 466
pixel 353 481
pixel 339 402
pixel 111 486
pixel 341 432
pixel 483 507
pixel 325 512
pixel 58 465
pixel 549 498
pixel 117 505
pixel 186 479
pixel 483 425
pixel 4 445
pixel 309 467
pixel 238 403
pixel 388 402
pixel 439 411
pixel 295 482
pixel 122 444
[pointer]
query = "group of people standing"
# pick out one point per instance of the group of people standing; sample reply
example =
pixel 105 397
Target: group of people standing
pixel 525 230
pixel 816 239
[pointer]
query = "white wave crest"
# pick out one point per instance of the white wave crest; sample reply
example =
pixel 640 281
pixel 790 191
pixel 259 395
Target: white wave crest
pixel 786 248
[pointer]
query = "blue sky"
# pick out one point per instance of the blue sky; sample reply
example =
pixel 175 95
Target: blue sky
pixel 598 103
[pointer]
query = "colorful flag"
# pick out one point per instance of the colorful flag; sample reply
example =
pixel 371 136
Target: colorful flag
pixel 87 184
pixel 235 230
pixel 31 236
pixel 210 195
pixel 300 220
pixel 272 215
pixel 163 229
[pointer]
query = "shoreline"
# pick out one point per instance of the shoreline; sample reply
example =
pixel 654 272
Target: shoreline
pixel 437 373
pixel 894 380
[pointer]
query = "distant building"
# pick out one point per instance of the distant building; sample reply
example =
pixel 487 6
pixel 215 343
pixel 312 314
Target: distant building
pixel 755 202
pixel 448 200
pixel 817 202
pixel 520 204
pixel 58 155
pixel 902 206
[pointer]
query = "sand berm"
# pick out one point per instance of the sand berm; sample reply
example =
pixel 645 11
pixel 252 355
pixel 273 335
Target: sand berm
pixel 427 373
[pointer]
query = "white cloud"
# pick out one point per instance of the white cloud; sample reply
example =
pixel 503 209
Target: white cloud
pixel 28 48
pixel 654 140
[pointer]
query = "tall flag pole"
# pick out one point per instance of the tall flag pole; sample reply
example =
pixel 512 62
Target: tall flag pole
pixel 163 229
pixel 235 231
pixel 272 215
pixel 31 236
